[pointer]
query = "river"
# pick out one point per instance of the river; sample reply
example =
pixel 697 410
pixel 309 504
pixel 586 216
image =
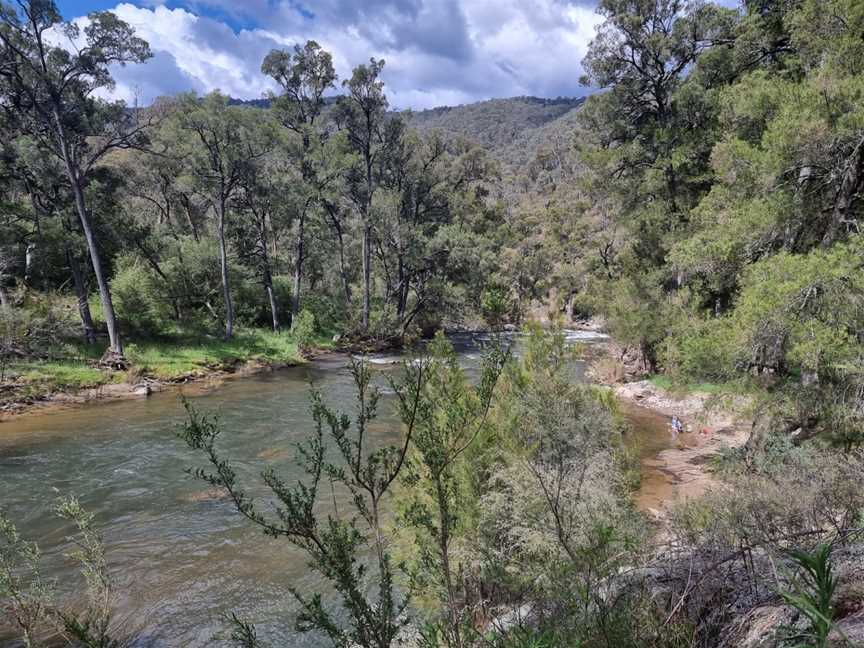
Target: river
pixel 179 556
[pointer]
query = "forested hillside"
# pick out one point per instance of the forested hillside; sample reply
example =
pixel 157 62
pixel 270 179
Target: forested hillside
pixel 505 127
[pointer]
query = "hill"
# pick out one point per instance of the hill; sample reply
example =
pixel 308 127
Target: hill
pixel 512 129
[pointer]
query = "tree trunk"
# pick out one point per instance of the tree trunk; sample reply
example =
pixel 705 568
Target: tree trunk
pixel 81 296
pixel 367 240
pixel 343 272
pixel 402 288
pixel 274 310
pixel 268 275
pixel 367 272
pixel 649 357
pixel 4 299
pixel 187 208
pixel 223 262
pixel 846 194
pixel 115 344
pixel 29 255
pixel 444 521
pixel 300 252
pixel 402 304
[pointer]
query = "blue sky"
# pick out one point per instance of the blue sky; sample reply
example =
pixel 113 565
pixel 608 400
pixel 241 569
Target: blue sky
pixel 235 19
pixel 438 52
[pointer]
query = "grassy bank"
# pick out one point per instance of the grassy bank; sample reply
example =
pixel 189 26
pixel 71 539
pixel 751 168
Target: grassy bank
pixel 170 358
pixel 682 388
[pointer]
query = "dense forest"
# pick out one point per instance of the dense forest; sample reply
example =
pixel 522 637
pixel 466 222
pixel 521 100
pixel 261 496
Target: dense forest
pixel 703 204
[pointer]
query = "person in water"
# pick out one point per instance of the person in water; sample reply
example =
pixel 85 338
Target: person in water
pixel 677 427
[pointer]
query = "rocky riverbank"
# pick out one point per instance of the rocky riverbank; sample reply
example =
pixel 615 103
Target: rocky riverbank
pixel 683 469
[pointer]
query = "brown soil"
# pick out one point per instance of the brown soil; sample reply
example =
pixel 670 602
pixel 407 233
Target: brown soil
pixel 683 471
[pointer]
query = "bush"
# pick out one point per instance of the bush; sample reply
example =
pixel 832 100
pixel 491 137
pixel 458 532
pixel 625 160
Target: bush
pixel 35 330
pixel 495 305
pixel 136 298
pixel 730 542
pixel 329 311
pixel 30 598
pixel 303 330
pixel 700 349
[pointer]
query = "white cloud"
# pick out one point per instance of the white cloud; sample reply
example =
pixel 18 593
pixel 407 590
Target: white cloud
pixel 438 52
pixel 206 51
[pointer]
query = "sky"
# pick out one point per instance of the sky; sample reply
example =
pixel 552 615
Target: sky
pixel 437 52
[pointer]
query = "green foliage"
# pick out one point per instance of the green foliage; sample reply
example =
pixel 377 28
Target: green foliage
pixel 552 527
pixel 723 211
pixel 30 598
pixel 436 502
pixel 528 638
pixel 136 298
pixel 494 306
pixel 336 545
pixel 33 331
pixel 90 629
pixel 700 349
pixel 25 594
pixel 303 329
pixel 812 594
pixel 328 311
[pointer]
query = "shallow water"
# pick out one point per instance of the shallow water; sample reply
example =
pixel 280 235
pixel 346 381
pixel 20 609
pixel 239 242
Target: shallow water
pixel 181 556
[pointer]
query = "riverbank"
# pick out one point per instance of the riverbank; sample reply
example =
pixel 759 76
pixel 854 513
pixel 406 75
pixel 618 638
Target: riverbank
pixel 683 471
pixel 33 386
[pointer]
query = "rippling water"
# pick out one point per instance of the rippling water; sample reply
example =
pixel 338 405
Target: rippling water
pixel 180 556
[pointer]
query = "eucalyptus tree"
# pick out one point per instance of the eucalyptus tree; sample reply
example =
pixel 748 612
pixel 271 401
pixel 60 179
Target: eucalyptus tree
pixel 53 92
pixel 361 114
pixel 429 188
pixel 303 76
pixel 336 214
pixel 39 229
pixel 48 193
pixel 270 201
pixel 219 143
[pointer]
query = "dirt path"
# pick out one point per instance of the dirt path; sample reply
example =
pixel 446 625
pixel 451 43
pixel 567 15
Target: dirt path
pixel 681 472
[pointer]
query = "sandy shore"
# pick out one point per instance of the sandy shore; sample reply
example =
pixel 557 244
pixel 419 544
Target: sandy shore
pixel 681 472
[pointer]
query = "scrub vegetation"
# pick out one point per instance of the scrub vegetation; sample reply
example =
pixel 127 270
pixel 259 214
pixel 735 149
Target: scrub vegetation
pixel 705 206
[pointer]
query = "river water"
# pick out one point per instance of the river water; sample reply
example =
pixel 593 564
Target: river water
pixel 179 556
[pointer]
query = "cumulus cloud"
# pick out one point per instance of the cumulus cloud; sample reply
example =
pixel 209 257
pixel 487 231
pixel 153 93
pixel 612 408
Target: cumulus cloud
pixel 438 52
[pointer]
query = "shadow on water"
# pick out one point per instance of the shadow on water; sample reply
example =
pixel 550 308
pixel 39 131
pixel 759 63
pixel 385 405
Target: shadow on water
pixel 180 555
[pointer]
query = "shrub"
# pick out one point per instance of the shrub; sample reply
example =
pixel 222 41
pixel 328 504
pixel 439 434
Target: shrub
pixel 136 298
pixel 35 330
pixel 729 543
pixel 329 311
pixel 303 329
pixel 495 305
pixel 700 349
pixel 30 598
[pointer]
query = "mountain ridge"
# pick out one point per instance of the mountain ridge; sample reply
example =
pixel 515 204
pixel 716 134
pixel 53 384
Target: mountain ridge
pixel 508 127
